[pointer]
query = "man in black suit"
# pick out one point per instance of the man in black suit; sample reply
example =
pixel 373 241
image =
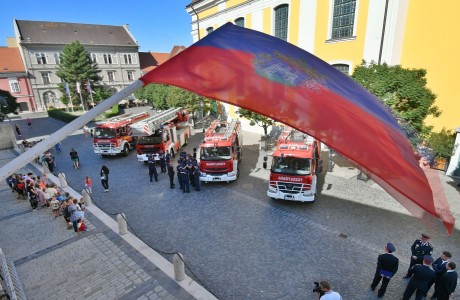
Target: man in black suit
pixel 440 267
pixel 419 249
pixel 387 266
pixel 421 281
pixel 448 282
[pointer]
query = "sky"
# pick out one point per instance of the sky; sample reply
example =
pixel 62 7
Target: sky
pixel 157 25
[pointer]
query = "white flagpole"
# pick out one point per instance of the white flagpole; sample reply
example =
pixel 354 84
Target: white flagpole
pixel 81 97
pixel 67 130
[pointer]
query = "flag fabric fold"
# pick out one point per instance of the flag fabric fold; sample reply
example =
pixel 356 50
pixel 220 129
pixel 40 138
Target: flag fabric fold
pixel 78 87
pixel 269 76
pixel 88 86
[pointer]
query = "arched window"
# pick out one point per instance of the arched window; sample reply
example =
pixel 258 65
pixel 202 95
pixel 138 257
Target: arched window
pixel 209 30
pixel 281 21
pixel 239 22
pixel 344 68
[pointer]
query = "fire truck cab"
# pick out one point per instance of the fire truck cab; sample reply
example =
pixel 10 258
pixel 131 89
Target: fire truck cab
pixel 166 131
pixel 114 136
pixel 294 168
pixel 221 151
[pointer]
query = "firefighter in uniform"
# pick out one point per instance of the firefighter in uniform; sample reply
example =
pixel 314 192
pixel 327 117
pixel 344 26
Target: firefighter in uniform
pixel 196 176
pixel 167 157
pixel 419 249
pixel 152 169
pixel 179 178
pixel 189 169
pixel 171 175
pixel 162 162
pixel 184 178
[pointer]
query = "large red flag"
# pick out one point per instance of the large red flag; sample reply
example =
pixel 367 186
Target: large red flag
pixel 264 74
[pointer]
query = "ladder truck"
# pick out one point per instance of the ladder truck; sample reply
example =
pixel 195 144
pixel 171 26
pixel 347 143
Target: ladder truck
pixel 221 151
pixel 114 136
pixel 295 165
pixel 165 131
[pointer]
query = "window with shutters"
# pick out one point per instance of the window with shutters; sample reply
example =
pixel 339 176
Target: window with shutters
pixel 111 76
pixel 110 59
pixel 239 22
pixel 128 59
pixel 343 19
pixel 130 75
pixel 14 86
pixel 57 58
pixel 94 57
pixel 46 77
pixel 281 21
pixel 41 58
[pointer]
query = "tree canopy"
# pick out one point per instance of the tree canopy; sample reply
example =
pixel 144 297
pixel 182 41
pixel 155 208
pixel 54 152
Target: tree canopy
pixel 404 90
pixel 442 143
pixel 75 66
pixel 8 104
pixel 163 96
pixel 255 118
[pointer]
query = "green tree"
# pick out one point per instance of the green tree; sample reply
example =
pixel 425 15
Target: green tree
pixel 255 118
pixel 8 104
pixel 75 66
pixel 442 143
pixel 404 90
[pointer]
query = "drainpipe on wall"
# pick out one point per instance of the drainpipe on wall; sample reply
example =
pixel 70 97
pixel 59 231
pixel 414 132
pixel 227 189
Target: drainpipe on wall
pixel 383 31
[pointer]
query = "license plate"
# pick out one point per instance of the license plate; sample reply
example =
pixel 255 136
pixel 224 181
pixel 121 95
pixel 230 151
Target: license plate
pixel 216 178
pixel 288 197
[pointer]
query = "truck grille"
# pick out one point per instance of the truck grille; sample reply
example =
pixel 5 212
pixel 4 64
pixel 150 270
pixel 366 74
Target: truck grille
pixel 292 188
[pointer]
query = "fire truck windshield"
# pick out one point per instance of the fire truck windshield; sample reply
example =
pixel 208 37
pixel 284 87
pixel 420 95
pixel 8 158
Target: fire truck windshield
pixel 215 153
pixel 105 133
pixel 291 165
pixel 149 140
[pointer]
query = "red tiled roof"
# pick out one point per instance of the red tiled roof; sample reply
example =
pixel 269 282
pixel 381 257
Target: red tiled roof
pixel 10 61
pixel 150 60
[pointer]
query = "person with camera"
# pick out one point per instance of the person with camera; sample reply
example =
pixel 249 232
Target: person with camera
pixel 327 293
pixel 387 266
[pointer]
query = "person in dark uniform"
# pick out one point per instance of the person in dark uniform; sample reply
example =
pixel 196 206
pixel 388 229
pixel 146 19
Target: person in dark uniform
pixel 162 162
pixel 196 177
pixel 184 178
pixel 191 177
pixel 171 175
pixel 179 176
pixel 387 266
pixel 419 249
pixel 440 268
pixel 167 157
pixel 152 169
pixel 421 281
pixel 448 282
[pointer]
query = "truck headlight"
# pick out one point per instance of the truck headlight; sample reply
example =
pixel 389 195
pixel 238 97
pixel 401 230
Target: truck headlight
pixel 231 173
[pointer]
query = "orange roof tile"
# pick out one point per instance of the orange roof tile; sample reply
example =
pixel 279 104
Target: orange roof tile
pixel 10 60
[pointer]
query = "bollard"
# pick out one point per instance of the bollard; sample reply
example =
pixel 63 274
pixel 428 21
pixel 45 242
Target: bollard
pixel 86 197
pixel 62 180
pixel 179 267
pixel 122 225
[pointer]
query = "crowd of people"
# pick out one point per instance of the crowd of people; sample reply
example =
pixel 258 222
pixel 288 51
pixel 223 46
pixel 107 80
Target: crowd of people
pixel 44 194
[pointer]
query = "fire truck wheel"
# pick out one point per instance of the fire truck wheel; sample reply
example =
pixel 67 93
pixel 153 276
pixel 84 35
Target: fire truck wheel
pixel 125 150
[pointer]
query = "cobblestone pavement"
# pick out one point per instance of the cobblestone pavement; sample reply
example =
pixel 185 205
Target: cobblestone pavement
pixel 240 244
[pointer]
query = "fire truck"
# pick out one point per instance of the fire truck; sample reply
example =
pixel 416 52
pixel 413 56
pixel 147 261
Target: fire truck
pixel 220 151
pixel 167 130
pixel 114 136
pixel 295 165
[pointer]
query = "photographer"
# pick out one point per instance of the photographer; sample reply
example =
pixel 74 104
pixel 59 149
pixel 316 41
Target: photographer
pixel 328 293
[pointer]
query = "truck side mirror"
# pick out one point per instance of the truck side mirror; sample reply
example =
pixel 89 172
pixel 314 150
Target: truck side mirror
pixel 264 164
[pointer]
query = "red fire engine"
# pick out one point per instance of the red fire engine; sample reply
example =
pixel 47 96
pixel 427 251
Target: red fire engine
pixel 220 151
pixel 168 130
pixel 114 136
pixel 295 164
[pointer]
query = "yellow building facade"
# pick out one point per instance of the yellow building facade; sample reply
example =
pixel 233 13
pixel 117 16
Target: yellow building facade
pixel 410 33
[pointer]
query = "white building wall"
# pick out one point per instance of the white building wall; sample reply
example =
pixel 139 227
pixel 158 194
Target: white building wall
pixel 455 159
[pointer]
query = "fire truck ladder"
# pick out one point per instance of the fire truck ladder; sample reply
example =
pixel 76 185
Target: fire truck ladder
pixel 228 133
pixel 149 125
pixel 120 118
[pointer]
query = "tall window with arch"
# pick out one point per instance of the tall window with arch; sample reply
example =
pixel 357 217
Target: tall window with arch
pixel 281 21
pixel 343 20
pixel 239 22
